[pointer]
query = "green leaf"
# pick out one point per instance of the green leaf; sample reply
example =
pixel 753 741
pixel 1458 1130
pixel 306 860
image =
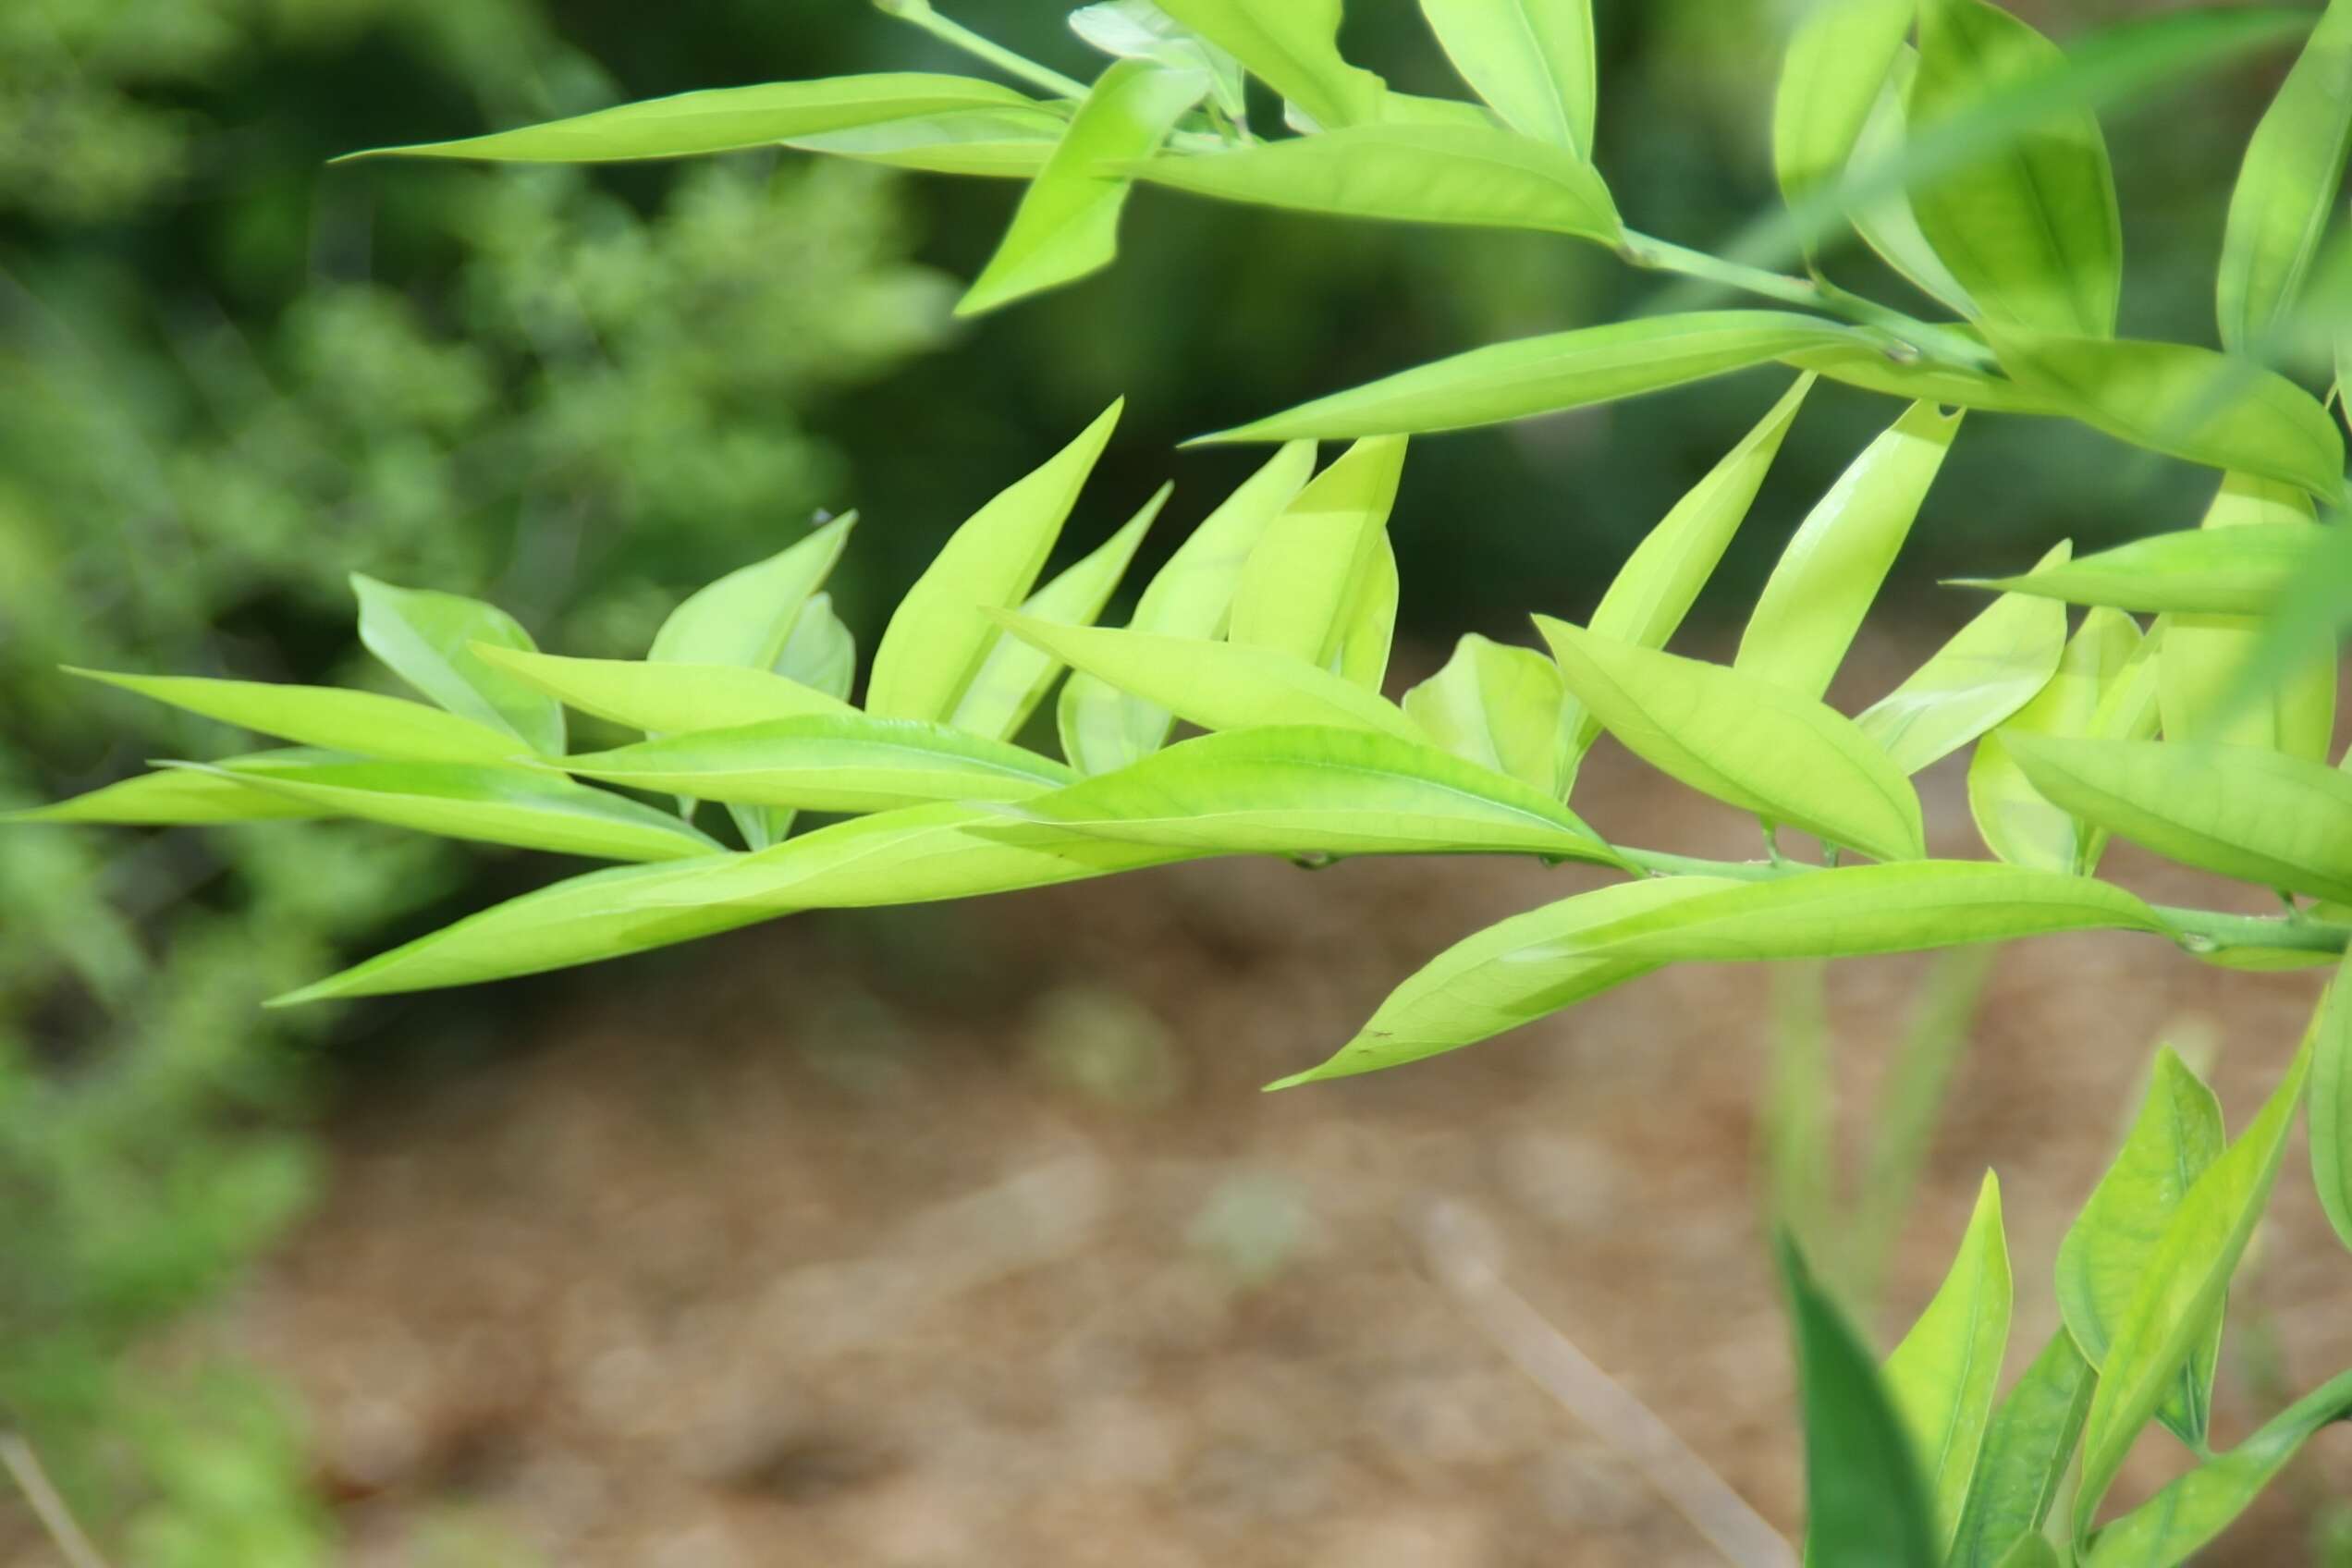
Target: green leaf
pixel 1562 370
pixel 1508 974
pixel 1865 1506
pixel 835 761
pixel 176 797
pixel 1217 685
pixel 2014 819
pixel 1499 707
pixel 1067 225
pixel 1831 74
pixel 2240 572
pixel 1886 222
pixel 666 698
pixel 2032 1551
pixel 2183 1518
pixel 2287 187
pixel 939 635
pixel 1292 46
pixel 724 119
pixel 1138 29
pixel 427 640
pixel 1646 600
pixel 2031 230
pixel 2332 1104
pixel 335 720
pixel 1103 728
pixel 2185 1282
pixel 1755 745
pixel 2027 1448
pixel 2177 1135
pixel 1318 559
pixel 1367 622
pixel 745 617
pixel 2273 820
pixel 1014 678
pixel 1467 176
pixel 1531 60
pixel 2184 401
pixel 523 807
pixel 983 143
pixel 820 653
pixel 1871 368
pixel 1989 669
pixel 1829 574
pixel 1941 1379
pixel 920 854
pixel 1304 790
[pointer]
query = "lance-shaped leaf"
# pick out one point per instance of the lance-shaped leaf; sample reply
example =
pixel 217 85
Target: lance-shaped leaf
pixel 2243 811
pixel 1563 370
pixel 723 120
pixel 1508 974
pixel 1499 707
pixel 1468 176
pixel 1941 1379
pixel 180 797
pixel 2027 1448
pixel 1014 676
pixel 1217 685
pixel 1864 1500
pixel 1318 560
pixel 1989 669
pixel 1311 790
pixel 839 762
pixel 1138 29
pixel 1292 46
pixel 666 698
pixel 2332 1104
pixel 1862 364
pixel 2030 229
pixel 917 855
pixel 1837 62
pixel 1757 746
pixel 2184 402
pixel 1104 728
pixel 1886 222
pixel 939 635
pixel 980 143
pixel 2185 1517
pixel 2185 1282
pixel 1367 622
pixel 1830 572
pixel 745 617
pixel 1646 600
pixel 1531 60
pixel 2176 1135
pixel 821 653
pixel 2241 571
pixel 1067 225
pixel 2287 187
pixel 428 639
pixel 523 807
pixel 2016 820
pixel 325 717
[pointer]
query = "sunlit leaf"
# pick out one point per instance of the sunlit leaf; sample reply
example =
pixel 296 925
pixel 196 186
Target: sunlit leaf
pixel 980 143
pixel 1292 46
pixel 1319 557
pixel 428 639
pixel 1989 669
pixel 2240 572
pixel 1836 63
pixel 1139 29
pixel 2016 820
pixel 1886 222
pixel 172 797
pixel 1860 363
pixel 1531 60
pixel 2332 1104
pixel 1941 1379
pixel 2287 186
pixel 666 698
pixel 2027 1447
pixel 1499 707
pixel 745 617
pixel 336 720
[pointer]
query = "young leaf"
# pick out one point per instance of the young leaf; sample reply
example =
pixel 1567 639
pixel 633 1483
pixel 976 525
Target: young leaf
pixel 427 640
pixel 1309 789
pixel 2016 822
pixel 1832 570
pixel 175 796
pixel 724 119
pixel 1368 621
pixel 2332 1104
pixel 1498 706
pixel 1067 225
pixel 2031 229
pixel 1292 46
pixel 1862 364
pixel 666 698
pixel 2287 186
pixel 2243 811
pixel 939 637
pixel 1467 176
pixel 1941 1379
pixel 835 763
pixel 820 652
pixel 1315 562
pixel 2240 572
pixel 1103 728
pixel 523 807
pixel 1837 62
pixel 1531 60
pixel 1886 222
pixel 2185 1282
pixel 1755 745
pixel 1539 375
pixel 2027 1447
pixel 978 143
pixel 1989 669
pixel 745 617
pixel 325 717
pixel 2178 1134
pixel 1865 1506
pixel 1138 29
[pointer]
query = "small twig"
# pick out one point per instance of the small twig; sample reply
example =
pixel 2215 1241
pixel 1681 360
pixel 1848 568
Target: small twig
pixel 24 1467
pixel 1516 1329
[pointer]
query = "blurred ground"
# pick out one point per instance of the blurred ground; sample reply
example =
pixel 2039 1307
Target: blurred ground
pixel 962 1236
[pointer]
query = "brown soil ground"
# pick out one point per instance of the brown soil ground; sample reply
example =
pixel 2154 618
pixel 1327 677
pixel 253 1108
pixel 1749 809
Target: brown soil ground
pixel 963 1236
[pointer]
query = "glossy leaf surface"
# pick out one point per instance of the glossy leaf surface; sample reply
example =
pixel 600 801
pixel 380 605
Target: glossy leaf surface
pixel 1989 669
pixel 672 698
pixel 333 720
pixel 1531 60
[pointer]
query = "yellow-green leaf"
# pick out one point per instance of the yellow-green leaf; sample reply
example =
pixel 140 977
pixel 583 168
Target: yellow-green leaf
pixel 1499 707
pixel 173 797
pixel 666 698
pixel 2016 822
pixel 336 720
pixel 1886 222
pixel 2027 1448
pixel 1531 60
pixel 1292 46
pixel 1941 1379
pixel 1990 670
pixel 1318 559
pixel 1835 65
pixel 982 143
pixel 2290 181
pixel 745 617
pixel 428 639
pixel 2242 572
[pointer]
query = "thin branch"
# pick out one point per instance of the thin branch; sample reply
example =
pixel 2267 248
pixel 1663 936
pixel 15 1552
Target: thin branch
pixel 24 1467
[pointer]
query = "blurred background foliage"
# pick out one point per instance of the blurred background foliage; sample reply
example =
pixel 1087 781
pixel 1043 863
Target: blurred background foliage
pixel 235 376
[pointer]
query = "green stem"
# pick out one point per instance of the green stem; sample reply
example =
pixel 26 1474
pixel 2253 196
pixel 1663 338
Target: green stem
pixel 920 13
